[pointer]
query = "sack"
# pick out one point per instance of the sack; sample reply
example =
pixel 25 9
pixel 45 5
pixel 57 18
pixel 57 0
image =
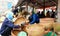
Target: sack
pixel 22 33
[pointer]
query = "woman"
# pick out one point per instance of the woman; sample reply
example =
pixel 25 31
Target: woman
pixel 33 18
pixel 8 25
pixel 50 32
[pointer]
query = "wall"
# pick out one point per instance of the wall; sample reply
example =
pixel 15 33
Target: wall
pixel 58 14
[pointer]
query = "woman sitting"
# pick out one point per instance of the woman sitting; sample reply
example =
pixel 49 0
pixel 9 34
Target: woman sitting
pixel 49 32
pixel 33 18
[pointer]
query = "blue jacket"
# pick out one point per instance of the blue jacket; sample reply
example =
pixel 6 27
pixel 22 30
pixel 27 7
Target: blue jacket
pixel 7 27
pixel 34 19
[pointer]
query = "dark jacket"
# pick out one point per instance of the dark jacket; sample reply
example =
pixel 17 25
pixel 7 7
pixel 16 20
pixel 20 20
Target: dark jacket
pixel 39 15
pixel 7 27
pixel 53 15
pixel 34 19
pixel 15 11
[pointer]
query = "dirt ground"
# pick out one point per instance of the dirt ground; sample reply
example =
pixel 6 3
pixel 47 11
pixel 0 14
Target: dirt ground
pixel 38 29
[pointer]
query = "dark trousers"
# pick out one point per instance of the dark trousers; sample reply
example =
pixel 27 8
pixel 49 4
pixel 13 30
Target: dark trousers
pixel 6 35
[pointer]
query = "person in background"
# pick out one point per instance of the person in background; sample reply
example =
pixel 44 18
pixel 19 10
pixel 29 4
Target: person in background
pixel 48 14
pixel 38 13
pixel 8 25
pixel 53 14
pixel 15 11
pixel 42 14
pixel 33 18
pixel 50 32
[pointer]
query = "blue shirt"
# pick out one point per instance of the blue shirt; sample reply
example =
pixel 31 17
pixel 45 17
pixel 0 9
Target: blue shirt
pixel 34 19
